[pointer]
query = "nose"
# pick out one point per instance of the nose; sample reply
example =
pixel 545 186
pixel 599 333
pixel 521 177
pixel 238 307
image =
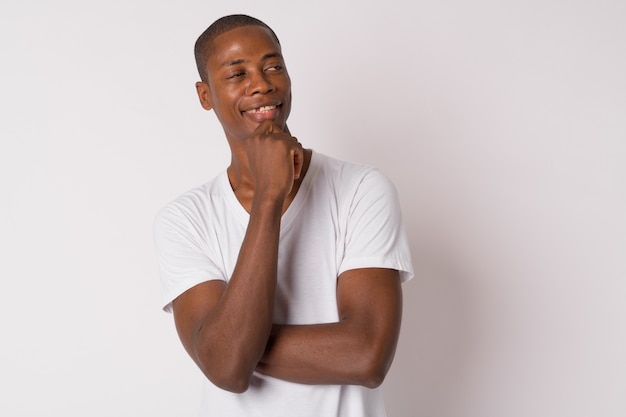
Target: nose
pixel 258 83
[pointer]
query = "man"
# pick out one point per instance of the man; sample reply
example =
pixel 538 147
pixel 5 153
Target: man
pixel 283 273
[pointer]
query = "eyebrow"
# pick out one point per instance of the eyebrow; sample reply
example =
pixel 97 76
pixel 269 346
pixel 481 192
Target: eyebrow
pixel 263 58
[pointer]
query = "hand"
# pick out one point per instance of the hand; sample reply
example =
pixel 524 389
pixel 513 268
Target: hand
pixel 275 159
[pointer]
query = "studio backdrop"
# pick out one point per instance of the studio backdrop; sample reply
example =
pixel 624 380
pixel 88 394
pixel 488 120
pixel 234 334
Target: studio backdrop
pixel 502 125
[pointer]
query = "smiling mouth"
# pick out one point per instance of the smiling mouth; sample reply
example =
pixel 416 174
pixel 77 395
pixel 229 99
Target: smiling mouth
pixel 262 109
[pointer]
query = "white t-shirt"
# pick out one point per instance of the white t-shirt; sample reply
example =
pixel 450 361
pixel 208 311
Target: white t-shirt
pixel 344 216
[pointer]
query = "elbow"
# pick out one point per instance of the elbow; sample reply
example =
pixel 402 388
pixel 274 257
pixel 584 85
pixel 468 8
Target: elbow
pixel 373 376
pixel 227 373
pixel 230 370
pixel 234 385
pixel 373 367
pixel 231 380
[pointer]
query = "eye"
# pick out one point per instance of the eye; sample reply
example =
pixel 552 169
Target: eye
pixel 236 75
pixel 276 67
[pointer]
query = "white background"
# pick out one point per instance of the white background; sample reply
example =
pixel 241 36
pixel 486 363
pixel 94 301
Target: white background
pixel 502 124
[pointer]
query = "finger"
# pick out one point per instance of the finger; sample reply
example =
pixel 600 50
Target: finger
pixel 266 127
pixel 298 162
pixel 273 127
pixel 276 128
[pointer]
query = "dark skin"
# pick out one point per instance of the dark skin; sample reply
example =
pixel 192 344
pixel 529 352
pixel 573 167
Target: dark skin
pixel 227 327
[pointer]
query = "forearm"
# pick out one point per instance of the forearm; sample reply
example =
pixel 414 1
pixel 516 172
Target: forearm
pixel 225 326
pixel 232 338
pixel 334 353
pixel 358 349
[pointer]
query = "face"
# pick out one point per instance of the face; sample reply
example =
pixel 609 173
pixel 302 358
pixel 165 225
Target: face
pixel 247 81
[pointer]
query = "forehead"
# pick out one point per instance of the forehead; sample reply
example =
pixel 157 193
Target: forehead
pixel 246 43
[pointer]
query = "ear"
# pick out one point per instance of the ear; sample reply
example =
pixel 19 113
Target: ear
pixel 204 94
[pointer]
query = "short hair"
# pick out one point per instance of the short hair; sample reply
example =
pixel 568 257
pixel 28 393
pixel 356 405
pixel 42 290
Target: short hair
pixel 204 44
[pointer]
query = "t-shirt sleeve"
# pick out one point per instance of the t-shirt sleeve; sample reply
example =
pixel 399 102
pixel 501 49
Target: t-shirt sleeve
pixel 375 234
pixel 182 254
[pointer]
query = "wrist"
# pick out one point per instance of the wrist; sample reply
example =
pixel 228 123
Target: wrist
pixel 269 203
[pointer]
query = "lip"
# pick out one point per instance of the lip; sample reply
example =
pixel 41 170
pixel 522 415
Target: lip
pixel 255 107
pixel 262 111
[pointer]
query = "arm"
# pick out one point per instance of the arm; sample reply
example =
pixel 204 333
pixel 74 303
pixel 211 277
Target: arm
pixel 225 327
pixel 356 350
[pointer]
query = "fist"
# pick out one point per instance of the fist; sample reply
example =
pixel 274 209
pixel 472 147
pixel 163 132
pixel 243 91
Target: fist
pixel 275 158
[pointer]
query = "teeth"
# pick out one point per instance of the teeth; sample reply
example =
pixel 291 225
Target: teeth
pixel 263 109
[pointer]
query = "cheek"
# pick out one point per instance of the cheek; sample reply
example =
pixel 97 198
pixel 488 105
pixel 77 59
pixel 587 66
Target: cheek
pixel 288 106
pixel 225 104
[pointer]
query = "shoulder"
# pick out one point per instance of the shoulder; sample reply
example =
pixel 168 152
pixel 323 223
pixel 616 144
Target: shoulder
pixel 341 168
pixel 351 177
pixel 191 205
